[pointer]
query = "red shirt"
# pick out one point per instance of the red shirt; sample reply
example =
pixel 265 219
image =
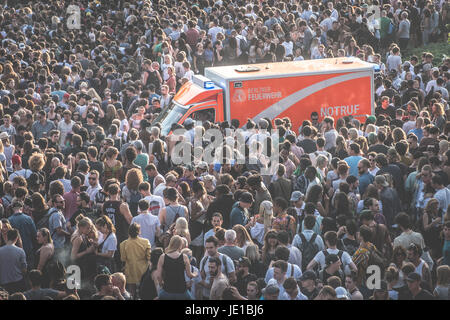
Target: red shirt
pixel 192 36
pixel 71 203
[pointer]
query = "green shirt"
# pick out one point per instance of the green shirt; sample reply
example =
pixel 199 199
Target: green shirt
pixel 142 161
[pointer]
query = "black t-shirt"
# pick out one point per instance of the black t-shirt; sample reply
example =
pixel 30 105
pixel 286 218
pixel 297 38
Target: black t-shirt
pixel 242 282
pixel 397 123
pixel 308 145
pixel 424 295
pixel 389 111
pixel 97 165
pixel 379 148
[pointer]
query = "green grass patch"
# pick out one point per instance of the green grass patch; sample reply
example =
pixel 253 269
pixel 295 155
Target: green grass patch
pixel 440 51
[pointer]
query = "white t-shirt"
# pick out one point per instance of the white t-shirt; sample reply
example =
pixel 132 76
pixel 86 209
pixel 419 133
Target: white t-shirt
pixel 296 274
pixel 393 62
pixel 110 244
pixel 156 204
pixel 320 257
pixel 148 223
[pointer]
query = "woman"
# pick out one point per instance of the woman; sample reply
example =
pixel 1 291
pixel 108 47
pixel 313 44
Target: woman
pixel 45 253
pixel 39 208
pixel 199 59
pixel 171 81
pixel 136 118
pixel 441 292
pixel 218 53
pixel 438 116
pixel 83 248
pixel 124 125
pixel 341 148
pixel 110 115
pixel 256 266
pixel 432 227
pixel 135 253
pixel 198 205
pixel 243 239
pixel 113 167
pixel 185 191
pixel 159 157
pixel 6 226
pixel 107 243
pixel 149 286
pixel 172 266
pixel 130 191
pixel 342 205
pixel 181 229
pixel 268 250
pixel 322 167
pixel 314 195
pixel 398 260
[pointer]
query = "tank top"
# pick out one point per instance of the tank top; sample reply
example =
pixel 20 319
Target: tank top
pixel 111 208
pixel 86 262
pixel 171 214
pixel 419 268
pixel 173 275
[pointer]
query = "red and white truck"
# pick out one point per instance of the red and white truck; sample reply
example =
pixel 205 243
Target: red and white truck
pixel 335 87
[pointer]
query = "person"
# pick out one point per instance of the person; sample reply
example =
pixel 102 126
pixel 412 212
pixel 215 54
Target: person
pixel 227 266
pixel 13 265
pixel 414 286
pixel 135 254
pixel 57 226
pixel 119 280
pixel 46 250
pixel 230 248
pixel 218 280
pixel 170 273
pixel 282 254
pixel 332 269
pixel 446 246
pixel 308 284
pixel 150 224
pixel 37 292
pixel 350 285
pixel 414 254
pixel 441 292
pixel 105 288
pixel 107 243
pixel 26 227
pixel 173 209
pixel 239 214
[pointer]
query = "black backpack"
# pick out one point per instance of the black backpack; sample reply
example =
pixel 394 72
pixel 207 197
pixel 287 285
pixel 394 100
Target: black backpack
pixel 44 222
pixel 309 249
pixel 340 253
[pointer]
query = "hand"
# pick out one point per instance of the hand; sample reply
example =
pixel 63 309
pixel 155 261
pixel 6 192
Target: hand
pixel 116 292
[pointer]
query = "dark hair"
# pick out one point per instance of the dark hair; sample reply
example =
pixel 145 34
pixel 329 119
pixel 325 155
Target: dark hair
pixel 215 260
pixel 35 277
pixel 101 280
pixel 366 233
pixel 282 253
pixel 403 220
pixel 134 230
pixel 214 240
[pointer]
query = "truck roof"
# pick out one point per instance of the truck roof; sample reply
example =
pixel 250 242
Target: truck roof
pixel 291 68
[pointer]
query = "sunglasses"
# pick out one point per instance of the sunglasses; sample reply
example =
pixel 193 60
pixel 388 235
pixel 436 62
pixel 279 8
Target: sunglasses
pixel 91 178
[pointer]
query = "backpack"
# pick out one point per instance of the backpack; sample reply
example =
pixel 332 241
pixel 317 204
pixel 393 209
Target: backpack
pixel 309 249
pixel 44 222
pixel 224 263
pixel 133 202
pixel 340 253
pixel 243 44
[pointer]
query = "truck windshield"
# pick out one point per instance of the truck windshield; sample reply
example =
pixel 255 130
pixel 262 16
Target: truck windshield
pixel 170 115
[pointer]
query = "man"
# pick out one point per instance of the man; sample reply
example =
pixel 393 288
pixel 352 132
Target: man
pixel 252 291
pixel 156 203
pixel 320 151
pixel 153 175
pixel 282 253
pixel 332 269
pixel 307 143
pixel 350 285
pixel 413 281
pixel 260 192
pixel 282 187
pixel 26 227
pixel 94 185
pixel 57 226
pixel 407 236
pixel 217 280
pixel 271 291
pixel 53 142
pixel 308 284
pixel 105 287
pixel 442 194
pixel 295 256
pixel 379 147
pixel 150 224
pixel 16 161
pixel 385 108
pixel 307 180
pixel 330 133
pixel 13 265
pixel 403 30
pixel 216 221
pixel 240 212
pixel 8 127
pixel 244 277
pixel 380 234
pixel 308 242
pixel 41 126
pixel 354 158
pixel 365 178
pixel 71 198
pixel 227 266
pixel 118 211
pixel 331 243
pixel 230 248
pixel 411 123
pixel 389 199
pixel 165 96
pixel 414 254
pixel 393 170
pixel 38 293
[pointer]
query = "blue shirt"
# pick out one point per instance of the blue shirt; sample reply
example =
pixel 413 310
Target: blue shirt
pixel 446 253
pixel 352 161
pixel 237 215
pixel 57 220
pixel 418 133
pixel 12 262
pixel 27 230
pixel 364 182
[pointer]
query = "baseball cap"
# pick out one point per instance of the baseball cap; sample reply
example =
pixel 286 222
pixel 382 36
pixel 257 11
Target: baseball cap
pixel 371 119
pixel 308 275
pixel 331 258
pixel 202 165
pixel 296 195
pixel 341 293
pixel 188 122
pixel 381 180
pixel 246 197
pixel 245 262
pixel 16 159
pixel 138 145
pixel 413 277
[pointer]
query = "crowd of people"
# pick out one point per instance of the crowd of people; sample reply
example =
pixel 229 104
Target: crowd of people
pixel 87 178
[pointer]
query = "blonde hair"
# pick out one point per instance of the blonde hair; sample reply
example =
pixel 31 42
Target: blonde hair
pixel 175 244
pixel 181 227
pixel 252 252
pixel 244 235
pixel 443 275
pixel 353 134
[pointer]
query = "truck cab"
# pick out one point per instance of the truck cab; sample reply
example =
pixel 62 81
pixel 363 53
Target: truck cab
pixel 199 99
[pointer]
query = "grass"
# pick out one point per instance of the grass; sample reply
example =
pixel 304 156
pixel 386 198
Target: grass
pixel 440 50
